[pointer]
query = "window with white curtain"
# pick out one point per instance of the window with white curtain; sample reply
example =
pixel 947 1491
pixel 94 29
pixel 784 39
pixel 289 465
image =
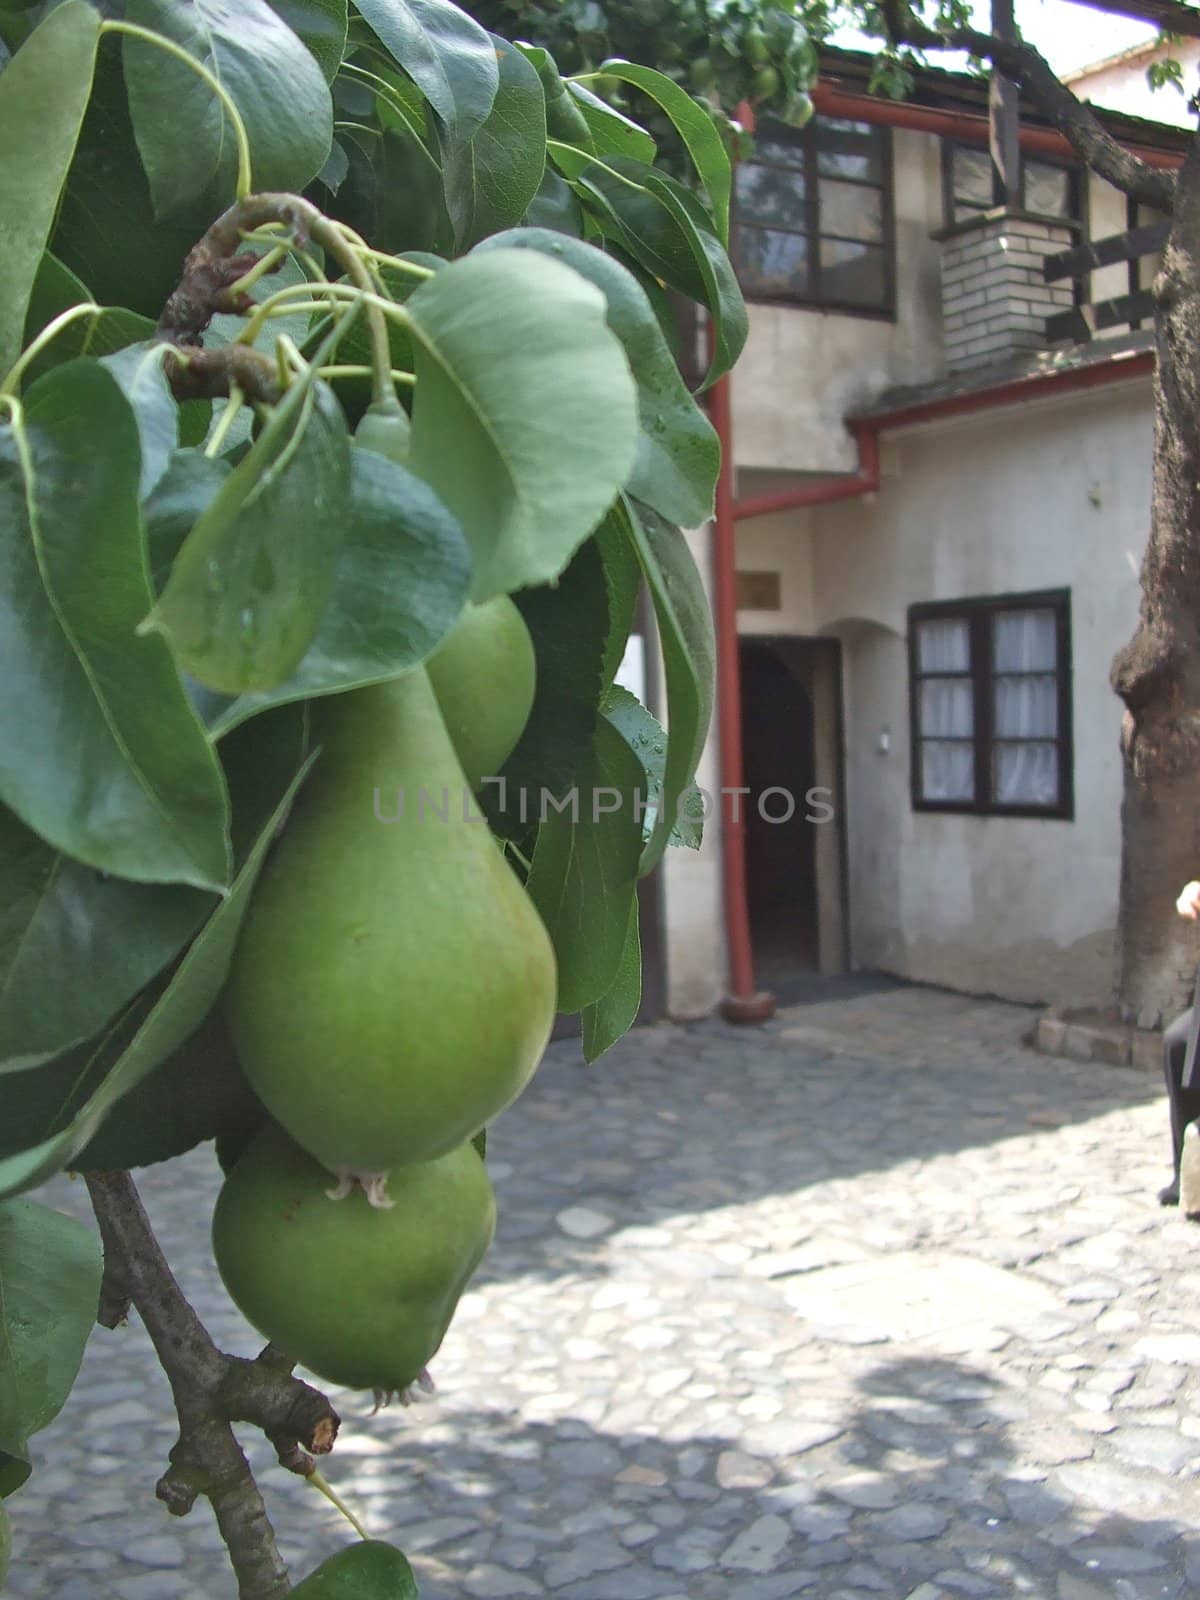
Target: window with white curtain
pixel 991 705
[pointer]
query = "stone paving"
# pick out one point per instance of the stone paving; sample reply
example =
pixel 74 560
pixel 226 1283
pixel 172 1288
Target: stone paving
pixel 870 1304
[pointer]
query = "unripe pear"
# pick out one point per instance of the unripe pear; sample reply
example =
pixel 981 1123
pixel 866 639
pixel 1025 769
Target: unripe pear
pixel 360 1295
pixel 393 986
pixel 484 676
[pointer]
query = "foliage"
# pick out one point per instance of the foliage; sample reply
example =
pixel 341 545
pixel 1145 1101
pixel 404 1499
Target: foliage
pixel 228 233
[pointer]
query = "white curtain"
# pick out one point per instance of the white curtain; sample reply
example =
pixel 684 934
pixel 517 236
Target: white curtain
pixel 946 711
pixel 1025 757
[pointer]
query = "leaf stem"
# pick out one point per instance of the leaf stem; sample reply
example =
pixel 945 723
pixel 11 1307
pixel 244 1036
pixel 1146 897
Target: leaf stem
pixel 266 265
pixel 225 421
pixel 321 1484
pixel 406 378
pixel 148 36
pixel 86 308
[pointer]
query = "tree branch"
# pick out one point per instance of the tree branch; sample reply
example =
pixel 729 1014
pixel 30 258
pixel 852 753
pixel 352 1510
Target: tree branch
pixel 211 1390
pixel 1026 66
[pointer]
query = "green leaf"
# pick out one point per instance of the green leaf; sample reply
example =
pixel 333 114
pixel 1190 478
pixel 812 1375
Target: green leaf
pixel 148 1033
pixel 585 866
pixel 450 58
pixel 182 129
pixel 569 623
pixel 50 1269
pixel 555 206
pixel 516 364
pixel 247 589
pixel 668 230
pixel 179 499
pixel 56 289
pixel 198 1093
pixel 43 95
pixel 694 126
pixel 689 655
pixel 367 1571
pixel 400 584
pixel 99 751
pixel 608 1019
pixel 321 25
pixel 647 738
pixel 491 180
pixel 622 581
pixel 93 235
pixel 613 134
pixel 678 454
pixel 139 371
pixel 75 945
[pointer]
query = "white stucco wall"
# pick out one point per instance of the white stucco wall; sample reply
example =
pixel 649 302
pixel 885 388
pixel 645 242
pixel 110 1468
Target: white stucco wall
pixel 802 370
pixel 1051 495
pixel 1121 83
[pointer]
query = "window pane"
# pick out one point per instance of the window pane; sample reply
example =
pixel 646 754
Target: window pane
pixel 944 645
pixel 947 708
pixel 1025 641
pixel 849 150
pixel 769 194
pixel 853 273
pixel 1047 189
pixel 851 211
pixel 779 145
pixel 773 263
pixel 1025 774
pixel 860 164
pixel 947 771
pixel 1027 707
pixel 972 173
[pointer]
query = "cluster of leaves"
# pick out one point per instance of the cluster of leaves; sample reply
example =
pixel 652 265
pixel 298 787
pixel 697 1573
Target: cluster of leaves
pixel 725 52
pixel 195 548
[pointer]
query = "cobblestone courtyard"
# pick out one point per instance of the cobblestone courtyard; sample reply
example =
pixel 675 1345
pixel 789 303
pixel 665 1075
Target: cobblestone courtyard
pixel 871 1304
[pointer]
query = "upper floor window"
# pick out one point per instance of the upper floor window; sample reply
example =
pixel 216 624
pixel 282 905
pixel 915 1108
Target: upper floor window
pixel 814 216
pixel 991 705
pixel 1053 189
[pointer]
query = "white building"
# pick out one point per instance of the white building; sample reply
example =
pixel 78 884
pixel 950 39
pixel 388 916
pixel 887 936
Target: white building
pixel 930 636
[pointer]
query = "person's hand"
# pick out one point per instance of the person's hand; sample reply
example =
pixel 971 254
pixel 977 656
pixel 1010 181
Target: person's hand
pixel 1188 904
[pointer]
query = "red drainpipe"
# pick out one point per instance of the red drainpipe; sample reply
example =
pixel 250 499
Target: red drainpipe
pixel 743 1003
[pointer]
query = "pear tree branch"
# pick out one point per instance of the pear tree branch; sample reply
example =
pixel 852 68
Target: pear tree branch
pixel 1028 68
pixel 211 1391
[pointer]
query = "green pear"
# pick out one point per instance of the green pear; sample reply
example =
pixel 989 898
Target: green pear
pixel 484 675
pixel 393 987
pixel 358 1294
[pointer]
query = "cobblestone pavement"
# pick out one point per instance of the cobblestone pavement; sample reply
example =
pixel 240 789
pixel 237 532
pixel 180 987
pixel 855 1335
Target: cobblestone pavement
pixel 870 1303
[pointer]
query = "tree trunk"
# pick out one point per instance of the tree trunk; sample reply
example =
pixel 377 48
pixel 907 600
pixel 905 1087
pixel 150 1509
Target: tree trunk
pixel 1157 674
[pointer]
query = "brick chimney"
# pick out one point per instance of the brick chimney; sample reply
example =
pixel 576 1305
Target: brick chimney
pixel 994 299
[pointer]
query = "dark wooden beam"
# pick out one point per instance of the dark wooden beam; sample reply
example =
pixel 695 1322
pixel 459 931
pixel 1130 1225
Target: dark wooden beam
pixel 1081 322
pixel 1004 126
pixel 1143 241
pixel 1168 15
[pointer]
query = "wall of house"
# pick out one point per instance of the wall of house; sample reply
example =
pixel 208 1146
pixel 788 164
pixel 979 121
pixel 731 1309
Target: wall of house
pixel 802 370
pixel 1055 494
pixel 1120 83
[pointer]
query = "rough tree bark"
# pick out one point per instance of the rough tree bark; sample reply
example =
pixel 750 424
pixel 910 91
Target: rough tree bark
pixel 1157 674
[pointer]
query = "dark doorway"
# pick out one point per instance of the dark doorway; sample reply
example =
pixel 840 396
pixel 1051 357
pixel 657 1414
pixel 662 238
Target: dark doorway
pixel 779 759
pixel 791 743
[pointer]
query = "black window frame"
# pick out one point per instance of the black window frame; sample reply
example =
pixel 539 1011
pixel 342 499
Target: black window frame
pixel 1078 218
pixel 978 611
pixel 807 140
